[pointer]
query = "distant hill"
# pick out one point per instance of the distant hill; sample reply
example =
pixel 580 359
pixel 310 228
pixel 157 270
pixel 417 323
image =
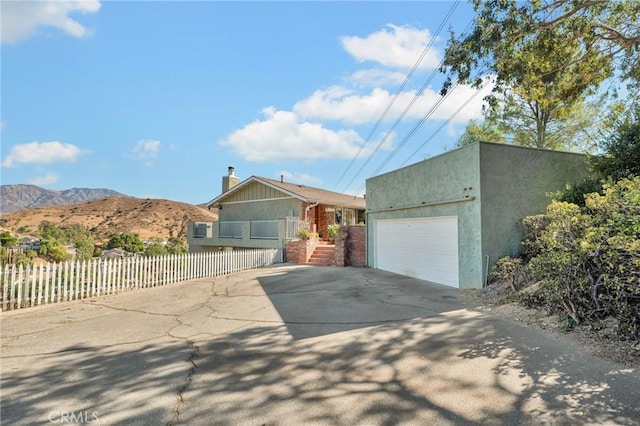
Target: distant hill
pixel 20 197
pixel 147 217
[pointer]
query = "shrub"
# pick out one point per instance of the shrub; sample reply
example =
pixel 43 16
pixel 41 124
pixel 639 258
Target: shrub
pixel 332 231
pixel 511 270
pixel 575 193
pixel 588 260
pixel 533 226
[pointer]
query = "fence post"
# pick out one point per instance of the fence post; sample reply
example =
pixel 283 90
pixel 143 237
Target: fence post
pixel 5 284
pixel 30 296
pixel 40 278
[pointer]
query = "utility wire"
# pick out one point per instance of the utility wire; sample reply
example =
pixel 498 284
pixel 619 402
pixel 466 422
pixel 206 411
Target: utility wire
pixel 415 128
pixel 399 91
pixel 472 97
pixel 393 126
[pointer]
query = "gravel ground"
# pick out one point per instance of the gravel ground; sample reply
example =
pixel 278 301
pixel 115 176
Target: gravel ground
pixel 600 343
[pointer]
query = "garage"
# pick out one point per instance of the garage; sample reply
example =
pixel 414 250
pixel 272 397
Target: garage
pixel 424 248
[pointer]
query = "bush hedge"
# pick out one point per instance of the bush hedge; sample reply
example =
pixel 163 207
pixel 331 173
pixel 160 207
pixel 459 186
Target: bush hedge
pixel 587 260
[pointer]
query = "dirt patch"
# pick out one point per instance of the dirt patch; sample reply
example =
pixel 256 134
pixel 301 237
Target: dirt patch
pixel 601 343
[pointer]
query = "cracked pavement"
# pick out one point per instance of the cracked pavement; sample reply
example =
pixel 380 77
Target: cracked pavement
pixel 298 345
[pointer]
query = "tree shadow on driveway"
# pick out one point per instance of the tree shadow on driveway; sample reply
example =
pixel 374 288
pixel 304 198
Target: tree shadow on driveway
pixel 355 346
pixel 359 346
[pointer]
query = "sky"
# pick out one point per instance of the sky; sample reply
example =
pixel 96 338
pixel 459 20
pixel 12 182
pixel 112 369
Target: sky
pixel 158 99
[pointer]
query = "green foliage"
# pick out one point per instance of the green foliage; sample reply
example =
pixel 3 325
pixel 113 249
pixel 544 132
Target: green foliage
pixel 23 230
pixel 155 249
pixel 534 227
pixel 588 260
pixel 487 131
pixel 51 249
pixel 7 240
pixel 49 230
pixel 128 241
pixel 4 256
pixel 622 148
pixel 575 193
pixel 545 58
pixel 84 248
pixel 512 270
pixel 176 245
pixel 332 231
pixel 24 259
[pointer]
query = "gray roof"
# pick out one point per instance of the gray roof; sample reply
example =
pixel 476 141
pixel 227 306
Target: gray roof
pixel 302 192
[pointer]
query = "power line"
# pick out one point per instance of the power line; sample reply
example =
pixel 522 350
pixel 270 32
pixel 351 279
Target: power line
pixel 415 128
pixel 393 126
pixel 397 93
pixel 441 127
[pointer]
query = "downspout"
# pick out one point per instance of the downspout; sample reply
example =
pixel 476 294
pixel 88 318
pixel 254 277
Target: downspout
pixel 306 210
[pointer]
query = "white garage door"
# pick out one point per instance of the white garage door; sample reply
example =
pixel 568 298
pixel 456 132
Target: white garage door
pixel 424 248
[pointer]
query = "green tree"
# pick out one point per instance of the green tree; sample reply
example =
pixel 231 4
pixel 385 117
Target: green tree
pixel 155 249
pixel 128 241
pixel 84 248
pixel 176 245
pixel 487 131
pixel 50 230
pixel 53 250
pixel 7 240
pixel 115 241
pixel 546 56
pixel 621 148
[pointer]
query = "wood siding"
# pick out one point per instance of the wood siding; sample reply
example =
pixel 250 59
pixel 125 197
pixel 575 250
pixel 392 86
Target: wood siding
pixel 255 191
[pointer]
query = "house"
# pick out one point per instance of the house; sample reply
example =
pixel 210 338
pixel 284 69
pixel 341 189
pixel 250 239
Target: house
pixel 448 219
pixel 264 213
pixel 28 243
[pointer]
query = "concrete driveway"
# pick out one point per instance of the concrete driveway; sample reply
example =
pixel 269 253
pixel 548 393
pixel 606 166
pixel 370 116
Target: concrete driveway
pixel 298 345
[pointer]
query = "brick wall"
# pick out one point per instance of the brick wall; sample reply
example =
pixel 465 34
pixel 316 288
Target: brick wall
pixel 299 251
pixel 341 248
pixel 356 249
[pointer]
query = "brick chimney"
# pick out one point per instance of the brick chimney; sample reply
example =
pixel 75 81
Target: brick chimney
pixel 230 180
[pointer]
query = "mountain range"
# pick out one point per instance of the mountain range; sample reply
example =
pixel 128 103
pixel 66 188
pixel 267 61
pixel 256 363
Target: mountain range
pixel 14 198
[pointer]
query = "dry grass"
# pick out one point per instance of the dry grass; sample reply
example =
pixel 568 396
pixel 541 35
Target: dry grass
pixel 148 217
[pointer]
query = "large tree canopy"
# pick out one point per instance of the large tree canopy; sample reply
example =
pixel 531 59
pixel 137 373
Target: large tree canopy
pixel 547 56
pixel 512 40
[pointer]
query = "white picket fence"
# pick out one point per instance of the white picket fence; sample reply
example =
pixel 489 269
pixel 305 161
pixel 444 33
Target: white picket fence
pixel 23 287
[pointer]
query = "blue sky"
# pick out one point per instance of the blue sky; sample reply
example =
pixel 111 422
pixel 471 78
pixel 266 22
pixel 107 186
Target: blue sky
pixel 157 99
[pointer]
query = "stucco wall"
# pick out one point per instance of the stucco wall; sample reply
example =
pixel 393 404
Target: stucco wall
pixel 260 210
pixel 452 176
pixel 514 181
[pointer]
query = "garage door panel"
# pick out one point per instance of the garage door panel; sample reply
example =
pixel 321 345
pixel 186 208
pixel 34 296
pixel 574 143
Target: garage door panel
pixel 425 248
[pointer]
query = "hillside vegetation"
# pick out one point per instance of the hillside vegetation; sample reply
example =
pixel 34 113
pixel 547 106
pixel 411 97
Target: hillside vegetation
pixel 149 218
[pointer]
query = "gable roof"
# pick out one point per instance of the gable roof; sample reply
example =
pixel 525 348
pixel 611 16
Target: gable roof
pixel 302 192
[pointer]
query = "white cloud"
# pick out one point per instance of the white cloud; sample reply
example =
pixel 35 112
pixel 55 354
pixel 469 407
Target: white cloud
pixel 48 179
pixel 299 177
pixel 21 19
pixel 394 46
pixel 42 153
pixel 374 77
pixel 340 104
pixel 147 151
pixel 282 136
